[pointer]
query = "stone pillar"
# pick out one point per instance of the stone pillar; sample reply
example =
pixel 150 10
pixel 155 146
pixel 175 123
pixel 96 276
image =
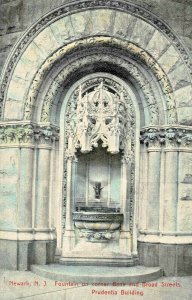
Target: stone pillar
pixel 125 241
pixel 162 191
pixel 9 187
pixel 69 235
pixel 44 244
pixel 169 246
pixel 25 208
pixel 42 191
pixel 44 240
pixel 17 147
pixel 26 179
pixel 171 191
pixel 154 161
pixel 21 241
pixel 143 195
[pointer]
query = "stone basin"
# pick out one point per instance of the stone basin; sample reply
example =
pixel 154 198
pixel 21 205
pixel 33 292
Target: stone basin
pixel 97 220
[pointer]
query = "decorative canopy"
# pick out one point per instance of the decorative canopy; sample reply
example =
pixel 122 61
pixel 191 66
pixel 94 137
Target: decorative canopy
pixel 98 112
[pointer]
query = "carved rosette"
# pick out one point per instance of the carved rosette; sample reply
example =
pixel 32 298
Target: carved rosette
pixel 170 137
pixel 17 134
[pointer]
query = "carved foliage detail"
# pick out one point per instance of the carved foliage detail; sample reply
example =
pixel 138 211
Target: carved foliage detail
pixel 27 133
pixel 169 137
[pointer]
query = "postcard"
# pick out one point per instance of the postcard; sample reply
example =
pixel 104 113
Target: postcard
pixel 95 149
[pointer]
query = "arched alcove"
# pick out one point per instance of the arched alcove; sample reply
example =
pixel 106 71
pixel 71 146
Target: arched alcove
pixel 98 117
pixel 46 66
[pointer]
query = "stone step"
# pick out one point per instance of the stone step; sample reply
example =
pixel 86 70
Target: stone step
pixel 97 274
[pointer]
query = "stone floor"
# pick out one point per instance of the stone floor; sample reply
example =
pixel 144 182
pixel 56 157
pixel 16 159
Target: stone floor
pixel 97 274
pixel 39 288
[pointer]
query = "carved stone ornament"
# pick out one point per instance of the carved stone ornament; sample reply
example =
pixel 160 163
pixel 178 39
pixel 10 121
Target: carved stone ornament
pixel 99 112
pixel 27 133
pixel 98 217
pixel 168 136
pixel 71 67
pixel 97 236
pixel 97 226
pixel 76 6
pixel 116 43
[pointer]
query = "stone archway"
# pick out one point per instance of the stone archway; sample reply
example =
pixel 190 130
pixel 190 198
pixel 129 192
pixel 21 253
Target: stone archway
pixel 42 67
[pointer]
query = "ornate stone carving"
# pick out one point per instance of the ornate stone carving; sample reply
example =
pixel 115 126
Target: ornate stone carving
pixel 98 188
pixel 64 188
pixel 151 137
pixel 27 133
pixel 109 58
pixel 11 134
pixel 93 98
pixel 99 111
pixel 79 6
pixel 46 134
pixel 101 115
pixel 97 217
pixel 97 236
pixel 134 50
pixel 168 136
pixel 97 226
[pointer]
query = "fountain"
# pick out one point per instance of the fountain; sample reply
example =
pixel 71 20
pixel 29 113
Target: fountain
pixel 99 187
pixel 99 175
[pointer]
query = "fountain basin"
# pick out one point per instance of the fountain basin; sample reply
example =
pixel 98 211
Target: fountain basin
pixel 96 220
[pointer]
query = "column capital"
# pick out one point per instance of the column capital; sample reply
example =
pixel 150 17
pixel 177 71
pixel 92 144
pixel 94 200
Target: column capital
pixel 168 136
pixel 127 158
pixel 70 156
pixel 23 133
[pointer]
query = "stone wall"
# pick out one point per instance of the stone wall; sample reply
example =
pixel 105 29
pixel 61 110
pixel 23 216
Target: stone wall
pixel 61 49
pixel 18 15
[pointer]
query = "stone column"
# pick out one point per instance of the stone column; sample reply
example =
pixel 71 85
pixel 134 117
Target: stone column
pixel 170 191
pixel 25 226
pixel 17 152
pixel 152 141
pixel 69 235
pixel 154 162
pixel 87 183
pixel 42 190
pixel 9 187
pixel 143 195
pixel 125 241
pixel 26 180
pixel 175 192
pixel 18 195
pixel 44 244
pixel 162 192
